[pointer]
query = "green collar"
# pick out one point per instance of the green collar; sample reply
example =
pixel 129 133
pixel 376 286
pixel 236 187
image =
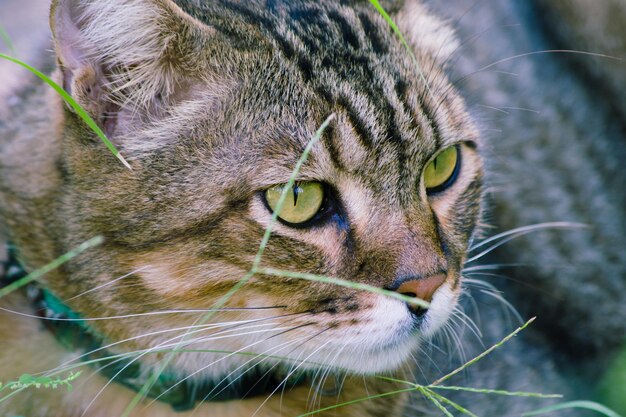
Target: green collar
pixel 76 335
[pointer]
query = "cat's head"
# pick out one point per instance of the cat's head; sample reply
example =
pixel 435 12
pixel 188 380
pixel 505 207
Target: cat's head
pixel 213 104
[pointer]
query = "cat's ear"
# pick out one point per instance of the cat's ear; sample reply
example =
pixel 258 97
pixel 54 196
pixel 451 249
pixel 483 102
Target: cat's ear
pixel 125 55
pixel 425 32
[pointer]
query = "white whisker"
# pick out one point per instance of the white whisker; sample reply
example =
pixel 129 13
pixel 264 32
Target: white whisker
pixel 292 371
pixel 158 332
pixel 515 233
pixel 128 316
pixel 281 330
pixel 145 352
pixel 106 284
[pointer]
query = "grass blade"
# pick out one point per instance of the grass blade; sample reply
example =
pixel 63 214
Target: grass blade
pixel 255 265
pixel 35 275
pixel 77 108
pixel 431 397
pixel 4 36
pixel 496 392
pixel 587 405
pixel 469 389
pixel 358 400
pixel 398 32
pixel 451 403
pixel 344 283
pixel 482 355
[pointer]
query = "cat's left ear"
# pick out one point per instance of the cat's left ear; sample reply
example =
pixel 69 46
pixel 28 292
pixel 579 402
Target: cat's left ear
pixel 425 32
pixel 126 56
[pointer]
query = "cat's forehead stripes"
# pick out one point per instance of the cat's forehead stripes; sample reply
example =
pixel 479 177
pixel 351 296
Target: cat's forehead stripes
pixel 349 58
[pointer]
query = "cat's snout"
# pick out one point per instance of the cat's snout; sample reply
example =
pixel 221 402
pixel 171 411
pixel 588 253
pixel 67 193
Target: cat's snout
pixel 420 287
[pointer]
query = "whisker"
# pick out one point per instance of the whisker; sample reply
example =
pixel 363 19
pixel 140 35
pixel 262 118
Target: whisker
pixel 292 363
pixel 322 373
pixel 165 345
pixel 513 279
pixel 291 372
pixel 551 51
pixel 282 331
pixel 521 109
pixel 432 345
pixel 512 74
pixel 272 349
pixel 153 313
pixel 132 361
pixel 467 322
pixel 473 38
pixel 484 106
pixel 202 327
pixel 106 284
pixel 456 82
pixel 449 38
pixel 491 267
pixel 515 233
pixel 530 228
pixel 493 292
pixel 456 55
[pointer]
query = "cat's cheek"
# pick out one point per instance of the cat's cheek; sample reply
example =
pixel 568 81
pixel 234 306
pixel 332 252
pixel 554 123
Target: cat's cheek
pixel 178 278
pixel 161 278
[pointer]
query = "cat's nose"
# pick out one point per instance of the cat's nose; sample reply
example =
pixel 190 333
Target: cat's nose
pixel 420 287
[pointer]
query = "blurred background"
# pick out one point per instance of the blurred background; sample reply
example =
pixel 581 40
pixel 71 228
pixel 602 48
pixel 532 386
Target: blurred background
pixel 23 33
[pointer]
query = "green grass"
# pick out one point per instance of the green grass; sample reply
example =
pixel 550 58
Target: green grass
pixel 582 405
pixel 30 381
pixel 6 39
pixel 27 380
pixel 612 387
pixel 255 265
pixel 37 274
pixel 77 108
pixel 406 45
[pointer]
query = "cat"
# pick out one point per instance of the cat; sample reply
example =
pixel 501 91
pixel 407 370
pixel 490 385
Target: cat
pixel 208 138
pixel 212 104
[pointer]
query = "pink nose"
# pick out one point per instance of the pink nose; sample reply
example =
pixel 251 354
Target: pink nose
pixel 422 288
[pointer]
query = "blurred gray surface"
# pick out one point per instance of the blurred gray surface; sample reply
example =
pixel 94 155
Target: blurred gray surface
pixel 26 23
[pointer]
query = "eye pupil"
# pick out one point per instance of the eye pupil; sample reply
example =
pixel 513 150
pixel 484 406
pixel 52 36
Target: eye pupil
pixel 296 191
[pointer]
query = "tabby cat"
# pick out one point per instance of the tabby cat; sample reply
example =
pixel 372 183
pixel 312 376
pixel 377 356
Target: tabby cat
pixel 213 104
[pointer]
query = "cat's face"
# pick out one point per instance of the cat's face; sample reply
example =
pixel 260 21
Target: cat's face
pixel 231 120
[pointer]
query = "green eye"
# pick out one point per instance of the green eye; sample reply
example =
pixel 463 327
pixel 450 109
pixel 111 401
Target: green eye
pixel 303 202
pixel 441 171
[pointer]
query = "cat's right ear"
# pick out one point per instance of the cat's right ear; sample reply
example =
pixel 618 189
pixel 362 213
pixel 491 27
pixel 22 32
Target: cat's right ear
pixel 132 56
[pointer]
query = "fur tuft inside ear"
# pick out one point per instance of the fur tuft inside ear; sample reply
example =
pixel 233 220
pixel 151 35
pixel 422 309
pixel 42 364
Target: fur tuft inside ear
pixel 124 53
pixel 426 32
